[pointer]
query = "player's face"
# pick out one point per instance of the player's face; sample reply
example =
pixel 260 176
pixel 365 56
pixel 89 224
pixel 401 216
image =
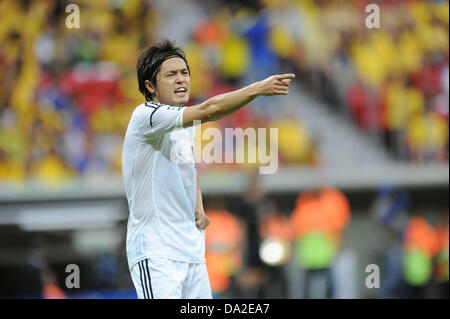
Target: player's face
pixel 173 83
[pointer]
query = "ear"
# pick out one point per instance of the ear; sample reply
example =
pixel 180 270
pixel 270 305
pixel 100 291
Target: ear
pixel 149 86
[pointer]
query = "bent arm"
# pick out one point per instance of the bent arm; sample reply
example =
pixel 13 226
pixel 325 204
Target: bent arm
pixel 222 105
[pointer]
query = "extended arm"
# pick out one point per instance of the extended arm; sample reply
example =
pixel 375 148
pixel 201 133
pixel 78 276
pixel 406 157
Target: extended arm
pixel 224 104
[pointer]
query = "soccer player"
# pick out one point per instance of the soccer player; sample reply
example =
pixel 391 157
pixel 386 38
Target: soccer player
pixel 166 225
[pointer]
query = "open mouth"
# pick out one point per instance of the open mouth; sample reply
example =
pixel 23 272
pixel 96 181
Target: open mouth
pixel 180 91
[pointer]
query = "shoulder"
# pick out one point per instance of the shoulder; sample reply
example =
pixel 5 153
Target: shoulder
pixel 158 115
pixel 153 105
pixel 146 109
pixel 150 107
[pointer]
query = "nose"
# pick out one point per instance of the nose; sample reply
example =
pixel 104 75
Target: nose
pixel 179 79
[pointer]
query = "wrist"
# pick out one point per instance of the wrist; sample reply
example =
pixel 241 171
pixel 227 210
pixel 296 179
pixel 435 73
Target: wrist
pixel 255 89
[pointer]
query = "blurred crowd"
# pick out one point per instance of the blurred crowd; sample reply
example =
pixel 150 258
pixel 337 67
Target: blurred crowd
pixel 393 82
pixel 66 95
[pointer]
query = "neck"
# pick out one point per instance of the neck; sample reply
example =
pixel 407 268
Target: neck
pixel 155 99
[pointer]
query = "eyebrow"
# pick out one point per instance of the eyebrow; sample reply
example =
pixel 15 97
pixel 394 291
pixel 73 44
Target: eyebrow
pixel 175 70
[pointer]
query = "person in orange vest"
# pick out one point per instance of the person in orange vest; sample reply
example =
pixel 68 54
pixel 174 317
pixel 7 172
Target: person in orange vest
pixel 224 238
pixel 276 226
pixel 277 234
pixel 318 219
pixel 420 246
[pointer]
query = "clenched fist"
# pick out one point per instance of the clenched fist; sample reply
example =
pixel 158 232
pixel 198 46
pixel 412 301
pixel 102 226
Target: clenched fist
pixel 201 220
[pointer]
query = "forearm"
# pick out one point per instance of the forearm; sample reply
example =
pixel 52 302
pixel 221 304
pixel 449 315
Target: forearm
pixel 199 205
pixel 224 104
pixel 201 220
pixel 220 106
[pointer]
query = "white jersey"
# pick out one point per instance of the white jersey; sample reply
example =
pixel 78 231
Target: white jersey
pixel 160 183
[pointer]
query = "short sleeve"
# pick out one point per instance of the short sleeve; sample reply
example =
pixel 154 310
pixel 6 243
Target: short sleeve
pixel 159 119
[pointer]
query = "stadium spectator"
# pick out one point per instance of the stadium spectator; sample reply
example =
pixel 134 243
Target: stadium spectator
pixel 319 219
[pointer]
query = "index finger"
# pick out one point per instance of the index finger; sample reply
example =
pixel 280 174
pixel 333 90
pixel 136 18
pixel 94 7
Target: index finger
pixel 285 76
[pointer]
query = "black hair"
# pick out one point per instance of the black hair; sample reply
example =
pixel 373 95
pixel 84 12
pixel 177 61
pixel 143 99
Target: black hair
pixel 150 60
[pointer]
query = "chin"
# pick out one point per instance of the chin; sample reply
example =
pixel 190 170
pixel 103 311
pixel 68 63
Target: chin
pixel 182 101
